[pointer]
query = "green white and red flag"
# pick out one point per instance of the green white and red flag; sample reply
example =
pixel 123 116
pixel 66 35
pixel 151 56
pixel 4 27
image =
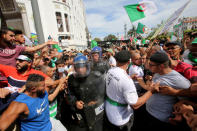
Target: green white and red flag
pixel 141 10
pixel 140 28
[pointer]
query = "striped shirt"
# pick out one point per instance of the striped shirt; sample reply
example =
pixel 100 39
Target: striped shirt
pixel 53 108
pixel 15 79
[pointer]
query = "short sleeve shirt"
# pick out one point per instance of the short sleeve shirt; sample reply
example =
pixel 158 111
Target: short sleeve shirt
pixel 136 70
pixel 112 61
pixel 15 79
pixel 120 88
pixel 8 55
pixel 161 106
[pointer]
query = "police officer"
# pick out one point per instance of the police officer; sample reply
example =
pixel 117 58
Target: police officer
pixel 97 63
pixel 86 96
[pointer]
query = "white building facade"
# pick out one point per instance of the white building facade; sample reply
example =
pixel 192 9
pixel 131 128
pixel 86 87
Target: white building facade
pixel 62 20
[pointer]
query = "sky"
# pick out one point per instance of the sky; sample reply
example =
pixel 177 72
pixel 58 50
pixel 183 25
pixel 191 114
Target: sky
pixel 105 17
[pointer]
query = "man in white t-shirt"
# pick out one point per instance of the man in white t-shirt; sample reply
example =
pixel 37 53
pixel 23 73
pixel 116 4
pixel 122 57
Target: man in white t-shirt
pixel 121 94
pixel 112 60
pixel 136 70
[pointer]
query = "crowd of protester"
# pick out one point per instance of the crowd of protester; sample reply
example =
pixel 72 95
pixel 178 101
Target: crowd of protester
pixel 122 88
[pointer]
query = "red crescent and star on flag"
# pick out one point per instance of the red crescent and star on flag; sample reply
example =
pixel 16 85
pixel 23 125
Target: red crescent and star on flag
pixel 141 8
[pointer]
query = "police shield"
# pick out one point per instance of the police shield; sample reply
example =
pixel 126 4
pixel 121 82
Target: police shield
pixel 94 106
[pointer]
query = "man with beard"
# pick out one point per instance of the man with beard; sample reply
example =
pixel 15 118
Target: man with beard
pixel 9 51
pixel 17 77
pixel 31 107
pixel 97 63
pixel 136 70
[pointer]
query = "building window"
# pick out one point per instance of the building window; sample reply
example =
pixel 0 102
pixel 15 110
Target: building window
pixel 7 5
pixel 59 22
pixel 66 21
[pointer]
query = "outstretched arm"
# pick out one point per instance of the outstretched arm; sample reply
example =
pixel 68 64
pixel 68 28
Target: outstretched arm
pixel 38 47
pixel 12 113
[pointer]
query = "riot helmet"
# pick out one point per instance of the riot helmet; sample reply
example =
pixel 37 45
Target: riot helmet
pixel 96 53
pixel 81 66
pixel 79 54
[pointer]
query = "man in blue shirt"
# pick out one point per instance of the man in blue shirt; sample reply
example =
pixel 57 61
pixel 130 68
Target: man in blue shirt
pixel 31 107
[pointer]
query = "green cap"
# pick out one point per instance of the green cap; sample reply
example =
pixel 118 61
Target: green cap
pixel 110 50
pixel 194 41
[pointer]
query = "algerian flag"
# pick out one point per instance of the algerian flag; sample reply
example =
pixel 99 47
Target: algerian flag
pixel 143 41
pixel 135 40
pixel 141 10
pixel 140 28
pixel 93 44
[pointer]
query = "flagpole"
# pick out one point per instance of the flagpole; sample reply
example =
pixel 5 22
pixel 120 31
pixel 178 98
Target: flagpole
pixel 166 25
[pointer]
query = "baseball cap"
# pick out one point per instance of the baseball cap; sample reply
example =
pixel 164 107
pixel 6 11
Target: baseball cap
pixel 24 58
pixel 159 57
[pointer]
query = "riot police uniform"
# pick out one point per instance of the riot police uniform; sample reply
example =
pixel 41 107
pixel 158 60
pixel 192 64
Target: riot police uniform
pixel 91 90
pixel 100 65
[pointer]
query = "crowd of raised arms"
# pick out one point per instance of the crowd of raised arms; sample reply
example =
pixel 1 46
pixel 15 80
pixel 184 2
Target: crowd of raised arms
pixel 125 87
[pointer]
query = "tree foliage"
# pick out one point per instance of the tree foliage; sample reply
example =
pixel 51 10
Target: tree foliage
pixel 110 37
pixel 97 39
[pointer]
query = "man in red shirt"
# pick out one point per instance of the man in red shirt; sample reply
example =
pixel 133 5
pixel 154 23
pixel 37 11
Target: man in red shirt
pixel 18 75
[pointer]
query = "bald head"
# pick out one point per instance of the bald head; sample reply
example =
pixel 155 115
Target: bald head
pixel 47 70
pixel 136 59
pixel 134 55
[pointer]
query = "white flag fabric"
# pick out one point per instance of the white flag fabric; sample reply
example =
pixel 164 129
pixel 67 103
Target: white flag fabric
pixel 149 7
pixel 28 41
pixel 173 18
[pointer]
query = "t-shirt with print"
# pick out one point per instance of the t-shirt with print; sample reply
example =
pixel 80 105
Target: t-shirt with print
pixel 8 56
pixel 119 88
pixel 15 79
pixel 161 106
